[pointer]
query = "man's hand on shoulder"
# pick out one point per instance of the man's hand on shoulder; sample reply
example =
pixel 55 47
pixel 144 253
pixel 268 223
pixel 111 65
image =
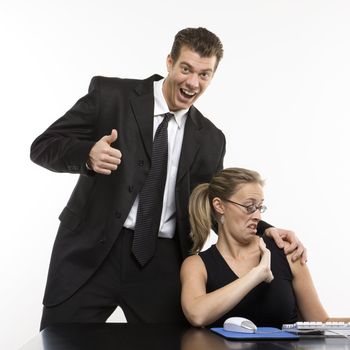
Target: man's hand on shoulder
pixel 288 240
pixel 103 158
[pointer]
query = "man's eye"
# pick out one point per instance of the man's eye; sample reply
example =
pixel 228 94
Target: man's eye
pixel 185 70
pixel 206 75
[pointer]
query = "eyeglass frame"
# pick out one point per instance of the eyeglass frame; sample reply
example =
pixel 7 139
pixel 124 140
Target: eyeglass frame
pixel 262 208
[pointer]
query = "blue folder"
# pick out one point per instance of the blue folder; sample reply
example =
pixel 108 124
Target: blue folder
pixel 262 333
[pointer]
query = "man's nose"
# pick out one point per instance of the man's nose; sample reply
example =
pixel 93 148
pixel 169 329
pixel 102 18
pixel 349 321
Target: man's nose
pixel 193 81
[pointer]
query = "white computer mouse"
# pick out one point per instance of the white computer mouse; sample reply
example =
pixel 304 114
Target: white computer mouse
pixel 239 324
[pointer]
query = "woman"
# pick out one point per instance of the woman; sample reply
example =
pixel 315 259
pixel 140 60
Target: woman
pixel 242 274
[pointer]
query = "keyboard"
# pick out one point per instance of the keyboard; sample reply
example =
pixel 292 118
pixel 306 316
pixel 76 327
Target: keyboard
pixel 317 327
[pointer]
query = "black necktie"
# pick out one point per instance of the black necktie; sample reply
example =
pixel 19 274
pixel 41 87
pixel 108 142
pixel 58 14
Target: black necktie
pixel 151 197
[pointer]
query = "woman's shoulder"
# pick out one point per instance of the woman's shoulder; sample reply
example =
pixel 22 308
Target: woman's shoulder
pixel 192 264
pixel 199 260
pixel 271 245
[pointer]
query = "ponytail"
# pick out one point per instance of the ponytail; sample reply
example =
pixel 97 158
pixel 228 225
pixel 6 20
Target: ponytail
pixel 200 216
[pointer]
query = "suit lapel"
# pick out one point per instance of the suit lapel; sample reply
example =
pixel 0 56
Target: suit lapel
pixel 143 112
pixel 143 108
pixel 190 143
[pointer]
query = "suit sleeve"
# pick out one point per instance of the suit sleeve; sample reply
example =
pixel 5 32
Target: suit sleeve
pixel 222 155
pixel 262 226
pixel 65 145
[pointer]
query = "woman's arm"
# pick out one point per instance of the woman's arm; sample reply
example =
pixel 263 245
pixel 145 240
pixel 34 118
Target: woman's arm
pixel 309 304
pixel 202 308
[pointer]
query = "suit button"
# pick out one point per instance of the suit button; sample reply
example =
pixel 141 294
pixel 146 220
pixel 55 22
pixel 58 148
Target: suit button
pixel 140 163
pixel 131 188
pixel 117 215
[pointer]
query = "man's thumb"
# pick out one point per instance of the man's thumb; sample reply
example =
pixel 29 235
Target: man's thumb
pixel 112 137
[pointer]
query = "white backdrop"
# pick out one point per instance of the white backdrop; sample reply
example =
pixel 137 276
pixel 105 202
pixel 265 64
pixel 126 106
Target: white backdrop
pixel 281 95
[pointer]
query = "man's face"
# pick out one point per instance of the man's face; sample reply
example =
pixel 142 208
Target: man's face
pixel 187 78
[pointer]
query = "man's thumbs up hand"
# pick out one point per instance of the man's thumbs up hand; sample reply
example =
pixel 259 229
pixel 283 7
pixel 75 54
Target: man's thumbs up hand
pixel 103 158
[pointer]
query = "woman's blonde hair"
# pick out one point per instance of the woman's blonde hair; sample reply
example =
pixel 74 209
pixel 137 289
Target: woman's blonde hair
pixel 223 185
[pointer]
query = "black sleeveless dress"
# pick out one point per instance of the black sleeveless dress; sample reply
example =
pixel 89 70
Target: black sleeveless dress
pixel 268 304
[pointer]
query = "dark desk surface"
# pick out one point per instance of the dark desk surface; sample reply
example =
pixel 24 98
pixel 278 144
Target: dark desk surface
pixel 123 336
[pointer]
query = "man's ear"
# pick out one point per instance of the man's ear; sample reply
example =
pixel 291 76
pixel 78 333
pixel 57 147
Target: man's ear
pixel 218 205
pixel 169 63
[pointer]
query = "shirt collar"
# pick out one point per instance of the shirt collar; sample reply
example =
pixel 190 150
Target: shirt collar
pixel 161 107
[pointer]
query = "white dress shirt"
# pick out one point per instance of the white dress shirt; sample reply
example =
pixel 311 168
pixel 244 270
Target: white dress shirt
pixel 176 127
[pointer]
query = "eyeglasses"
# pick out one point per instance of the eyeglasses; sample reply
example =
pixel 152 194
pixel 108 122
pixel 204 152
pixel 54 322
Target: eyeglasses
pixel 251 208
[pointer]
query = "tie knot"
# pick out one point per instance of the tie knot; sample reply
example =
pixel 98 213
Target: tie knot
pixel 167 116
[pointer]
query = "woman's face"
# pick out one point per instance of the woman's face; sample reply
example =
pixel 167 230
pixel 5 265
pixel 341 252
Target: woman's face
pixel 238 222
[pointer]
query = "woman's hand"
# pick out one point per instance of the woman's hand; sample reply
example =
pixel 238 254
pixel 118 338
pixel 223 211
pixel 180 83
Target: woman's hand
pixel 264 266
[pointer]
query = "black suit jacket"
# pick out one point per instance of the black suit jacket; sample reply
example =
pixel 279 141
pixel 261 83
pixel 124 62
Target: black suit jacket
pixel 99 204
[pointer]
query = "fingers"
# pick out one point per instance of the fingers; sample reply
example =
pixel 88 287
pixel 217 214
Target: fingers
pixel 106 164
pixel 304 256
pixel 300 253
pixel 295 247
pixel 111 153
pixel 265 261
pixel 102 171
pixel 265 253
pixel 270 277
pixel 276 235
pixel 291 247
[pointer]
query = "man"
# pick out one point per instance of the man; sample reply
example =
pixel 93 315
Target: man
pixel 97 261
